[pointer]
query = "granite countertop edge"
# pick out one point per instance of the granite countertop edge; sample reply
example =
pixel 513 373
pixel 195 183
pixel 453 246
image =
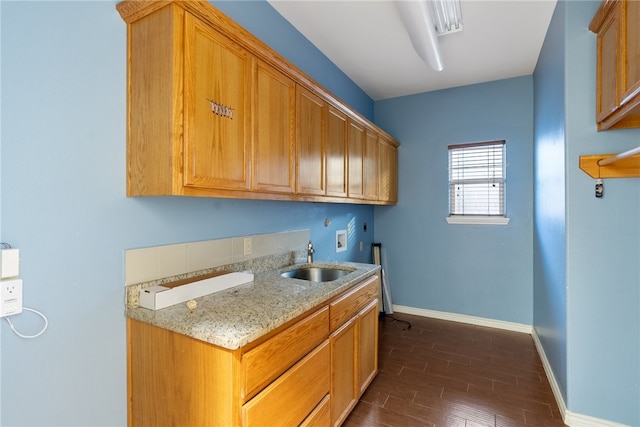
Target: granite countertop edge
pixel 238 316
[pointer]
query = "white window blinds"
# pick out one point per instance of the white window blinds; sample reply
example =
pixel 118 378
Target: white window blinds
pixel 477 179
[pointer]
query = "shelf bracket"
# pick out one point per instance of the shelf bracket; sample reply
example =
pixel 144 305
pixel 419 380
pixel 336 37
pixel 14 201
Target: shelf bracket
pixel 628 167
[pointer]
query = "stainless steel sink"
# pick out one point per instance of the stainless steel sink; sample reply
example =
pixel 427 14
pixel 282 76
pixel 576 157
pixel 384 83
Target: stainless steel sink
pixel 316 274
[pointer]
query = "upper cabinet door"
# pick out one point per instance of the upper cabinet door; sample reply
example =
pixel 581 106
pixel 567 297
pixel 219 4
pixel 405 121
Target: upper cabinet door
pixel 370 165
pixel 630 67
pixel 310 138
pixel 616 22
pixel 336 158
pixel 273 140
pixel 217 109
pixel 607 96
pixel 388 172
pixel 356 156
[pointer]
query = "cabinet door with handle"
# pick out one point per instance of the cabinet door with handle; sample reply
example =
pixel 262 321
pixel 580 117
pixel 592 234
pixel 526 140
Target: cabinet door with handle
pixel 217 95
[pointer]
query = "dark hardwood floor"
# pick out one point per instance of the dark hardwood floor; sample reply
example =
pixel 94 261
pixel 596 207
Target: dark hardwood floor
pixel 441 373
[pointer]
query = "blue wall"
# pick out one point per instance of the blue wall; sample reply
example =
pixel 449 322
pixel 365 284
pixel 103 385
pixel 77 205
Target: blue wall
pixel 63 203
pixel 550 300
pixel 603 249
pixel 598 329
pixel 476 270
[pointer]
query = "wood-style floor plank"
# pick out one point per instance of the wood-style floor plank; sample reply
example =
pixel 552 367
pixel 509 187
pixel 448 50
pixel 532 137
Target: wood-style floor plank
pixel 439 374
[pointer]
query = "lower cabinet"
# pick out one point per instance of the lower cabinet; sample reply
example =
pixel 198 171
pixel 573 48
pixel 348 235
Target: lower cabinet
pixel 309 372
pixel 291 398
pixel 343 374
pixel 367 360
pixel 321 415
pixel 354 344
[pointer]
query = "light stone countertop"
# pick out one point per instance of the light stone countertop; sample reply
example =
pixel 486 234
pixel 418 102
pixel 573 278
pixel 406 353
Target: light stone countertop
pixel 237 316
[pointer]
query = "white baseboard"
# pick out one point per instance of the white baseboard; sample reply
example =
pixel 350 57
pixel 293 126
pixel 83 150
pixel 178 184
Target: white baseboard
pixel 550 376
pixel 463 318
pixel 571 419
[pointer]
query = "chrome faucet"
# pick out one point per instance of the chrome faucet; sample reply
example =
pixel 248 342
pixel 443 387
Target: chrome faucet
pixel 310 252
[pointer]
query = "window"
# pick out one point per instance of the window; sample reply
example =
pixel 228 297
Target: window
pixel 477 183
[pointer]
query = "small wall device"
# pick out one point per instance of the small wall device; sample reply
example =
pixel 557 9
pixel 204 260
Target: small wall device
pixel 10 284
pixel 341 240
pixel 9 263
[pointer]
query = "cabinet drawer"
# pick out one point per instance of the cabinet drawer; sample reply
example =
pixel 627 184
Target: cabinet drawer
pixel 321 415
pixel 266 362
pixel 293 396
pixel 353 301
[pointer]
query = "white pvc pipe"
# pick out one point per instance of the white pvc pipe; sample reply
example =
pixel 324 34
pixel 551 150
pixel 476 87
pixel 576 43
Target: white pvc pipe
pixel 623 155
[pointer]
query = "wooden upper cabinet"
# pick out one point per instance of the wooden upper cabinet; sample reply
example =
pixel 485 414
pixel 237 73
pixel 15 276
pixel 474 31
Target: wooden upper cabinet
pixel 370 165
pixel 607 100
pixel 336 153
pixel 154 98
pixel 618 64
pixel 177 143
pixel 274 136
pixel 310 142
pixel 630 80
pixel 356 137
pixel 388 172
pixel 217 109
pixel 214 112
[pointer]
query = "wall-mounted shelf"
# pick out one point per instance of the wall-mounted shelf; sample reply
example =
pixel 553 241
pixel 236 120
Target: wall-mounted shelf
pixel 623 165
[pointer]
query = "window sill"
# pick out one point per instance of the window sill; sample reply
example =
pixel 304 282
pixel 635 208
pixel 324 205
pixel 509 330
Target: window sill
pixel 486 220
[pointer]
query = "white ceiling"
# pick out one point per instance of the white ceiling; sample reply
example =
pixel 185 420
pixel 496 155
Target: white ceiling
pixel 366 40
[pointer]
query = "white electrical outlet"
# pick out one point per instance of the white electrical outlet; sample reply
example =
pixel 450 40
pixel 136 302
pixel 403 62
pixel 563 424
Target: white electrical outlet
pixel 10 297
pixel 248 246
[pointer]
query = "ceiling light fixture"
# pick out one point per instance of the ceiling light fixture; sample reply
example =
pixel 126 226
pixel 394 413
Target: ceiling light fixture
pixel 447 16
pixel 424 20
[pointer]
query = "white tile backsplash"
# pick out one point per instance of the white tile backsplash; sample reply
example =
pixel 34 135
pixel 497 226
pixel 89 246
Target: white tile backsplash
pixel 173 260
pixel 282 242
pixel 147 264
pixel 142 265
pixel 199 255
pixel 221 254
pixel 265 244
pixel 298 239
